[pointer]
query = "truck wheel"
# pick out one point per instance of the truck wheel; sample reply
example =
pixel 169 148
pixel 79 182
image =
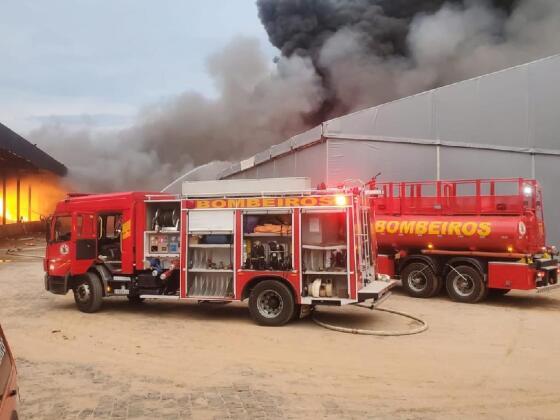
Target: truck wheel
pixel 465 284
pixel 419 280
pixel 89 294
pixel 271 303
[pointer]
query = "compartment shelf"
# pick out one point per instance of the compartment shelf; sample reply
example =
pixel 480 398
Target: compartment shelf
pixel 210 246
pixel 161 256
pixel 208 270
pixel 328 273
pixel 269 235
pixel 324 248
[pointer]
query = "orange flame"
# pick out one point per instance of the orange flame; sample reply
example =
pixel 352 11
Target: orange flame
pixel 37 197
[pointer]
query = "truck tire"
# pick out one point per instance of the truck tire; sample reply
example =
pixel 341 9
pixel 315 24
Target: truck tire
pixel 466 284
pixel 89 294
pixel 271 303
pixel 419 280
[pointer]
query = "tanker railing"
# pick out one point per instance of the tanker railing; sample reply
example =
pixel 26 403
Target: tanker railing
pixel 468 197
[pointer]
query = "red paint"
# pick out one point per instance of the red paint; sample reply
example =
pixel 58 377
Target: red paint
pixel 386 265
pixel 482 219
pixel 133 207
pixel 461 215
pixel 511 276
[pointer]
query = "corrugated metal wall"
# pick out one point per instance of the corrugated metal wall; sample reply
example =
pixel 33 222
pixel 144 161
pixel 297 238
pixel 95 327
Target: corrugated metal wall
pixel 310 162
pixel 500 125
pixel 364 159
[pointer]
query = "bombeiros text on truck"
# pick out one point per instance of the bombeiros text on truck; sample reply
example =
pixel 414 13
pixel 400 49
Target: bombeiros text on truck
pixel 276 242
pixel 473 237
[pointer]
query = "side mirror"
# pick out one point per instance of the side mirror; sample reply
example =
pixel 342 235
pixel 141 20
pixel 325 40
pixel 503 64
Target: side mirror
pixel 48 230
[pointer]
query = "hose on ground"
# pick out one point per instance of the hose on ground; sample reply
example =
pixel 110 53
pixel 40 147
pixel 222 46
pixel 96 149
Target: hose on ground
pixel 21 253
pixel 423 325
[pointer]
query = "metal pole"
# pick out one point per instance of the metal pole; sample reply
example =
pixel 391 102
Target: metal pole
pixel 18 191
pixel 4 199
pixel 29 204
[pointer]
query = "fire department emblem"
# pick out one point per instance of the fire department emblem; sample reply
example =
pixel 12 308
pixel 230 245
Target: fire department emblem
pixel 64 249
pixel 522 229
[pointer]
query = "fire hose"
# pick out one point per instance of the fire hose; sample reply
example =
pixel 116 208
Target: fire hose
pixel 423 324
pixel 21 252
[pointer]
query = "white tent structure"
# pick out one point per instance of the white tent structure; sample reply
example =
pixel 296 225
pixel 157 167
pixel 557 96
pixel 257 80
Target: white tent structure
pixel 504 124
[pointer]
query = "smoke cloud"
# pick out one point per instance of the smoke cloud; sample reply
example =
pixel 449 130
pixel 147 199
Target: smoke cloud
pixel 336 56
pixel 259 103
pixel 371 51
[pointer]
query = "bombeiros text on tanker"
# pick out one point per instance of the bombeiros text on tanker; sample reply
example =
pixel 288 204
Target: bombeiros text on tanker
pixel 434 227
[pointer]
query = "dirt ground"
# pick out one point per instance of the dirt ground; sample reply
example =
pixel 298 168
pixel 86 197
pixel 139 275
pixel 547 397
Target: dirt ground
pixel 171 360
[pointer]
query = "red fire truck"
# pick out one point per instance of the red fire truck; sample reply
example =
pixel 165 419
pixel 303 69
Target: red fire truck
pixel 473 236
pixel 276 242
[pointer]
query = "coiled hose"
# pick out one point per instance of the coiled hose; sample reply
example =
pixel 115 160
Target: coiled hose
pixel 423 325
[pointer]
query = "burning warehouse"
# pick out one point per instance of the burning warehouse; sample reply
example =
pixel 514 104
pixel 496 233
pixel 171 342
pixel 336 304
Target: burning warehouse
pixel 29 180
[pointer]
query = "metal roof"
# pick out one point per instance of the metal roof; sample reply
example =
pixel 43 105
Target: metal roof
pixel 18 153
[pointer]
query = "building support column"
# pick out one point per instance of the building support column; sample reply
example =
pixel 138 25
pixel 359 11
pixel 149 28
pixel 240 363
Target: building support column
pixel 18 196
pixel 29 203
pixel 4 198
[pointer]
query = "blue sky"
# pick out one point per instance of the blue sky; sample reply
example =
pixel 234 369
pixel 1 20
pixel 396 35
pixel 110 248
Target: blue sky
pixel 98 61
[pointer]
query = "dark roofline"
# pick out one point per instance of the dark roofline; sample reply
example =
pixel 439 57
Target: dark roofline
pixel 17 145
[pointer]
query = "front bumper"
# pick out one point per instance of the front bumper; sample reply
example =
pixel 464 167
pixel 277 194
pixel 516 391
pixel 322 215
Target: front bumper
pixel 57 285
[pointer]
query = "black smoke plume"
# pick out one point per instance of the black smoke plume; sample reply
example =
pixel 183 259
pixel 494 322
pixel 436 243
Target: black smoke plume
pixel 376 31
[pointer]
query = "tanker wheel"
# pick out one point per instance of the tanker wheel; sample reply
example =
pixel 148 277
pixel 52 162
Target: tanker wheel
pixel 271 303
pixel 465 284
pixel 88 294
pixel 419 280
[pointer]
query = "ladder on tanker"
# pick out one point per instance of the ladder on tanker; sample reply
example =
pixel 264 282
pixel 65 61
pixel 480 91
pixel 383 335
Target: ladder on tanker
pixel 364 239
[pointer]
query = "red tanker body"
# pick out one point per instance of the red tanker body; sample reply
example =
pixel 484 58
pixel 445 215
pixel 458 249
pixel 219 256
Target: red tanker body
pixel 473 236
pixel 458 233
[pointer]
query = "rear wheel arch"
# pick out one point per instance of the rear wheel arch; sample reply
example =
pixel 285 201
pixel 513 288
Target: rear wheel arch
pixel 476 263
pixel 104 275
pixel 258 279
pixel 431 261
pixel 272 302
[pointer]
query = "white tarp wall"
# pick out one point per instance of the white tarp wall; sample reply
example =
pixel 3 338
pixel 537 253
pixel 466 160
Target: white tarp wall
pixel 505 124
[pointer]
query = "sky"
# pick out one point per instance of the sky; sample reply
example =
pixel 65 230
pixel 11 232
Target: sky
pixel 98 62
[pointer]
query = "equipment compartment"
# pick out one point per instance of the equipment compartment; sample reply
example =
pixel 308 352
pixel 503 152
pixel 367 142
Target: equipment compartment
pixel 163 216
pixel 324 255
pixel 210 265
pixel 267 241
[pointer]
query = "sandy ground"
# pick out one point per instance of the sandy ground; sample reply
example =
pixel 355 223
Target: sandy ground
pixel 499 359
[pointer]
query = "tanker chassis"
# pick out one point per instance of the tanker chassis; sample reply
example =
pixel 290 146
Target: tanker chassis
pixel 473 237
pixel 277 243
